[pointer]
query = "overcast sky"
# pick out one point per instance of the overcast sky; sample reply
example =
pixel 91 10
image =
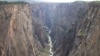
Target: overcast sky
pixel 48 0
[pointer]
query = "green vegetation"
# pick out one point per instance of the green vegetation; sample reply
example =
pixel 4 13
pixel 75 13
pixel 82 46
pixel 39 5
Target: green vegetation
pixel 17 2
pixel 45 52
pixel 81 33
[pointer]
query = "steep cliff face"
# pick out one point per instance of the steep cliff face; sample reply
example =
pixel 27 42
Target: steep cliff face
pixel 89 33
pixel 75 30
pixel 63 31
pixel 16 36
pixel 39 29
pixel 22 30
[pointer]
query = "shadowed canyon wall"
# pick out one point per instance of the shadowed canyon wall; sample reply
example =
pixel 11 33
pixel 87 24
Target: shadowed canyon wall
pixel 89 33
pixel 74 29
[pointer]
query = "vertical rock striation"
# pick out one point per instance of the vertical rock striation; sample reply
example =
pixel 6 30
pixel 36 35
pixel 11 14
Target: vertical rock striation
pixel 39 29
pixel 16 36
pixel 74 29
pixel 88 33
pixel 22 30
pixel 64 26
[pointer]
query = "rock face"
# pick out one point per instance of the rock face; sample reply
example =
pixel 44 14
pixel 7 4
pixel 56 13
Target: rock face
pixel 88 33
pixel 64 26
pixel 16 36
pixel 22 30
pixel 39 29
pixel 74 29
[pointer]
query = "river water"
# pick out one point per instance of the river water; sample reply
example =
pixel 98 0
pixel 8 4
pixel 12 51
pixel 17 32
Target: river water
pixel 50 44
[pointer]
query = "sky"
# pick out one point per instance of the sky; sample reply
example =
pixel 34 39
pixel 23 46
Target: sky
pixel 63 1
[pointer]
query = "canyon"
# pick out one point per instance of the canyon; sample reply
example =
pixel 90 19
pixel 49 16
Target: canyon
pixel 50 29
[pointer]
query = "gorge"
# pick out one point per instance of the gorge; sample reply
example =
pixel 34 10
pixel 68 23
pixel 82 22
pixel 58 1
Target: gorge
pixel 50 29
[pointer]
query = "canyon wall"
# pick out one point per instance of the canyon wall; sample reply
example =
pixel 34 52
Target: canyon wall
pixel 39 29
pixel 64 26
pixel 88 33
pixel 22 30
pixel 74 29
pixel 16 36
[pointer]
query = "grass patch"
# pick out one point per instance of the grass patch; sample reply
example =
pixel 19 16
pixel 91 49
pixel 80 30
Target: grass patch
pixel 45 52
pixel 81 33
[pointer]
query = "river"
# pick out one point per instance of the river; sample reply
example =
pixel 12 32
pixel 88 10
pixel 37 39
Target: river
pixel 50 44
